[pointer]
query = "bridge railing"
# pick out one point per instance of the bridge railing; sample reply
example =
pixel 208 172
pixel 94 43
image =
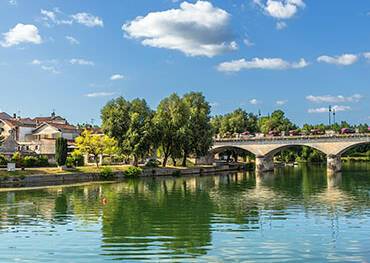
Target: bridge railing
pixel 294 138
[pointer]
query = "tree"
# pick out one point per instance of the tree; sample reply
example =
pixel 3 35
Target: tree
pixel 170 122
pixel 130 123
pixel 238 121
pixel 61 151
pixel 276 122
pixel 94 144
pixel 198 131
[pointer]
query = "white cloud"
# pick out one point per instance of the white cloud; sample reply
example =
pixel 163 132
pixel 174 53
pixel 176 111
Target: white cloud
pixel 281 102
pixel 343 60
pixel 198 29
pixel 21 33
pixel 72 40
pixel 248 43
pixel 99 94
pixel 366 55
pixel 337 108
pixel 80 61
pixel 281 25
pixel 214 104
pixel 334 99
pixel 88 20
pixel 254 102
pixel 52 17
pixel 47 65
pixel 260 63
pixel 13 2
pixel 280 9
pixel 116 77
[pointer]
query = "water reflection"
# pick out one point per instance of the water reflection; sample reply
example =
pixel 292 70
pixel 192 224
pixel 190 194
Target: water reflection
pixel 212 218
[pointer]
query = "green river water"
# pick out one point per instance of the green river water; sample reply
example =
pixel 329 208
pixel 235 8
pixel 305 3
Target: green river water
pixel 298 214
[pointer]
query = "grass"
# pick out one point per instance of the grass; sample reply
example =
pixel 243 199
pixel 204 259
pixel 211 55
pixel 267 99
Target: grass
pixel 55 170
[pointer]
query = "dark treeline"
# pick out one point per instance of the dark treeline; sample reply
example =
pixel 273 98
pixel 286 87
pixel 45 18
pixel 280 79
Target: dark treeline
pixel 182 127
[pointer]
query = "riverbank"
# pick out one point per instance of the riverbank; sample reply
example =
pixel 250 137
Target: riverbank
pixel 54 176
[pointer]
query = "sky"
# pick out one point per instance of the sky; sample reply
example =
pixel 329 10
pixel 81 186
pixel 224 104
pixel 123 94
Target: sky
pixel 73 56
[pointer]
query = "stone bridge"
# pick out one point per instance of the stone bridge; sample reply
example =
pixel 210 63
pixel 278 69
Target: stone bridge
pixel 265 148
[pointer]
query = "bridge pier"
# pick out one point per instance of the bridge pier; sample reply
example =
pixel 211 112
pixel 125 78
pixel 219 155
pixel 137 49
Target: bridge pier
pixel 264 164
pixel 334 163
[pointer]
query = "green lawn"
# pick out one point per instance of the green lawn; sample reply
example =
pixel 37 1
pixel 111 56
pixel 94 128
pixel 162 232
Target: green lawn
pixel 55 170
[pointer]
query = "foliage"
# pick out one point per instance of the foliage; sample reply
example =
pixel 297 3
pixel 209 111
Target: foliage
pixel 170 122
pixel 130 124
pixel 30 161
pixel 238 121
pixel 106 173
pixel 176 173
pixel 197 138
pixel 17 159
pixel 94 144
pixel 276 122
pixel 61 151
pixel 3 160
pixel 132 172
pixel 78 158
pixel 152 163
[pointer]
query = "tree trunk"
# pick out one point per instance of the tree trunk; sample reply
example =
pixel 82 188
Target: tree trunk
pixel 165 158
pixel 184 158
pixel 136 160
pixel 174 161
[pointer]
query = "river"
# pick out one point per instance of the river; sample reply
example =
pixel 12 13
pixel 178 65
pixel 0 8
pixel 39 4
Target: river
pixel 297 214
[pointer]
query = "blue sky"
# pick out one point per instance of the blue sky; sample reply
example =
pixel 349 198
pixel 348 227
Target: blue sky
pixel 297 55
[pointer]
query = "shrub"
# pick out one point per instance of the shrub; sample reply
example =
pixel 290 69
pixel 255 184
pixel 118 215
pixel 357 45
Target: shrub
pixel 70 162
pixel 30 161
pixel 78 158
pixel 133 172
pixel 152 163
pixel 42 161
pixel 176 173
pixel 3 160
pixel 106 173
pixel 17 159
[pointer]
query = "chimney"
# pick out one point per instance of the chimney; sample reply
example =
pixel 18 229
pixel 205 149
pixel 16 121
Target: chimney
pixel 53 114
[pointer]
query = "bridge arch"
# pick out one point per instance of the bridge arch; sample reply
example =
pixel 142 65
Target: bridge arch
pixel 278 149
pixel 350 147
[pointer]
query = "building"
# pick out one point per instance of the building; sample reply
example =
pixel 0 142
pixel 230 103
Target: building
pixel 34 136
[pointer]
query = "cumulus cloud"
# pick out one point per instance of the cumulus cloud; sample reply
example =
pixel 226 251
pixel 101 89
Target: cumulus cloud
pixel 13 2
pixel 281 102
pixel 99 94
pixel 72 40
pixel 198 29
pixel 21 33
pixel 51 17
pixel 248 43
pixel 343 60
pixel 260 63
pixel 80 61
pixel 280 9
pixel 337 108
pixel 116 77
pixel 88 20
pixel 334 99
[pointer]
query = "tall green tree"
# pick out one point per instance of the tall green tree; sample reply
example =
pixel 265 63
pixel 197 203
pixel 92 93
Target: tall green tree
pixel 276 122
pixel 130 123
pixel 61 151
pixel 170 122
pixel 199 132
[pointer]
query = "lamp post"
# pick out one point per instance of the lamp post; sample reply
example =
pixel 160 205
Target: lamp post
pixel 329 115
